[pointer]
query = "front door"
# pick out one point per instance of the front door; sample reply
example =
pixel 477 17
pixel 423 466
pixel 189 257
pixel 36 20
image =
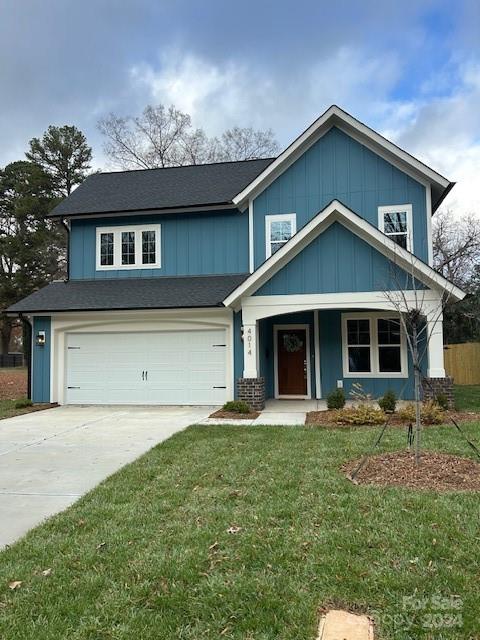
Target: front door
pixel 292 361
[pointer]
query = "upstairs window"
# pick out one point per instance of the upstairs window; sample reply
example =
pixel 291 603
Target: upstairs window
pixel 278 231
pixel 396 223
pixel 128 247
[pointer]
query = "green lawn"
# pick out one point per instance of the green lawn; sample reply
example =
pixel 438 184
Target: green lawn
pixel 467 397
pixel 147 554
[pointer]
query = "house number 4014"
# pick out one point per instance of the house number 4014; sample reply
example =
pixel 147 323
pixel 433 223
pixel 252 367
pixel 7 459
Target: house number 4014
pixel 249 341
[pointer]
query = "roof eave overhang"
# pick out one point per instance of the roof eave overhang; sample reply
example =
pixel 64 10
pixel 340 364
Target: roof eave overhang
pixel 217 206
pixel 334 116
pixel 336 211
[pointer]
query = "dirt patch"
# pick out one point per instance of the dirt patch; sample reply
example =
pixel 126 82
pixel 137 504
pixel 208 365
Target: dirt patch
pixel 11 413
pixel 437 471
pixel 234 415
pixel 13 384
pixel 326 419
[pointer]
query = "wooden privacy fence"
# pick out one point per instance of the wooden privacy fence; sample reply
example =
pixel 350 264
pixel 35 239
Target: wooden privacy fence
pixel 462 362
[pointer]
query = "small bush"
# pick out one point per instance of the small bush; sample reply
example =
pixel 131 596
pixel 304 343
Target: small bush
pixel 442 401
pixel 362 414
pixel 430 413
pixel 389 402
pixel 236 406
pixel 336 399
pixel 23 403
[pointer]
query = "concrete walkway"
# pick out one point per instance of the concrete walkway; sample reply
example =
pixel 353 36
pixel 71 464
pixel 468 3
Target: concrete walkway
pixel 281 412
pixel 48 459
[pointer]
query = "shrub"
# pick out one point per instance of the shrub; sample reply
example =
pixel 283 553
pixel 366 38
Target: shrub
pixel 389 402
pixel 237 406
pixel 23 403
pixel 359 415
pixel 336 399
pixel 430 413
pixel 442 401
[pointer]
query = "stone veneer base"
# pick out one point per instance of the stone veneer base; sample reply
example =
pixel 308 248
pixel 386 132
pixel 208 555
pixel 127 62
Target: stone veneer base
pixel 432 387
pixel 252 391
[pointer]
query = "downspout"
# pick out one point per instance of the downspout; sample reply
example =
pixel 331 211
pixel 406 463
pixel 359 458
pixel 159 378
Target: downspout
pixel 27 349
pixel 66 224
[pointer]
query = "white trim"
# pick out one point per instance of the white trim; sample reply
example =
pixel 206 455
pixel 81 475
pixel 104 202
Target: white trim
pixel 374 346
pixel 428 208
pixel 277 217
pixel 334 116
pixel 337 212
pixel 316 341
pixel 392 208
pixel 251 245
pixel 137 229
pixel 276 329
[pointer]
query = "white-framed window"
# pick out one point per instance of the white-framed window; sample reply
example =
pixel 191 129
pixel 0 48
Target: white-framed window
pixel 373 345
pixel 128 247
pixel 279 229
pixel 396 222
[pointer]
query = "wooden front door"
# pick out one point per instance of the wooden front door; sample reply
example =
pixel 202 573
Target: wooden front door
pixel 292 362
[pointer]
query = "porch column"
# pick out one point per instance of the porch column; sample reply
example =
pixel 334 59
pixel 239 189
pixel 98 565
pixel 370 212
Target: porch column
pixel 250 350
pixel 436 366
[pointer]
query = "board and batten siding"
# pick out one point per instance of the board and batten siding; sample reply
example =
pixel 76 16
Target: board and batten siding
pixel 334 262
pixel 192 244
pixel 339 167
pixel 41 360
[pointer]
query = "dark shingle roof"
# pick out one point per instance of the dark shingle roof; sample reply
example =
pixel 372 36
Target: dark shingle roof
pixel 191 186
pixel 131 293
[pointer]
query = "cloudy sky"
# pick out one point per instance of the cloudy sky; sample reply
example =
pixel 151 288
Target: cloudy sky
pixel 409 68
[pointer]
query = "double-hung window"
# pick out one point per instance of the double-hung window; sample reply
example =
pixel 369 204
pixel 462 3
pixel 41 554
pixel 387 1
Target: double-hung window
pixel 396 223
pixel 374 346
pixel 128 247
pixel 278 231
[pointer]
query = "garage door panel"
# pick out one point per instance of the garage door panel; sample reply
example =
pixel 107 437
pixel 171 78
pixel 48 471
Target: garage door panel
pixel 184 367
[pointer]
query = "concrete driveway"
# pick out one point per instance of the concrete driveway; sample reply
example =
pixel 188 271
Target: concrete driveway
pixel 48 459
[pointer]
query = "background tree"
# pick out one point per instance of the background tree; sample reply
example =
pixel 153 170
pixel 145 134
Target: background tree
pixel 63 153
pixel 456 254
pixel 32 249
pixel 164 137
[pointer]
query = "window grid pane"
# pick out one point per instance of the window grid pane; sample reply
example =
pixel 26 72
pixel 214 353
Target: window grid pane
pixel 128 247
pixel 106 249
pixel 389 346
pixel 359 350
pixel 148 247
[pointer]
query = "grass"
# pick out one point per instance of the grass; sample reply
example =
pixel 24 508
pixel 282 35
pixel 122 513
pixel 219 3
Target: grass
pixel 147 554
pixel 467 397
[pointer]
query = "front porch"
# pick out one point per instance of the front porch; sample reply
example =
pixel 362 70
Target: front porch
pixel 299 357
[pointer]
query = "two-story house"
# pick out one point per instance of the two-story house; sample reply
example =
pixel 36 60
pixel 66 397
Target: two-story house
pixel 266 278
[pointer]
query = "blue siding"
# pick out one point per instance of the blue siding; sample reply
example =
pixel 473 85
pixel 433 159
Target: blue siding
pixel 192 244
pixel 337 261
pixel 331 364
pixel 338 167
pixel 41 361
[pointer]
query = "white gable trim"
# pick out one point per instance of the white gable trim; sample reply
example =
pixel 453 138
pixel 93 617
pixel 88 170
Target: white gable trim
pixel 334 116
pixel 338 212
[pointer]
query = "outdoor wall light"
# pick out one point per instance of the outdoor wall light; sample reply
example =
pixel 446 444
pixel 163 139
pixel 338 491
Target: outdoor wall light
pixel 41 338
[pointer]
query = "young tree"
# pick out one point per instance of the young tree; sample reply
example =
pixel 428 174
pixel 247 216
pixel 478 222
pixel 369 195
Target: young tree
pixel 63 153
pixel 164 137
pixel 32 247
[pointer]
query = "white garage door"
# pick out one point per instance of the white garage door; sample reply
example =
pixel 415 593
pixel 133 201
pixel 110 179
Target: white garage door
pixel 171 367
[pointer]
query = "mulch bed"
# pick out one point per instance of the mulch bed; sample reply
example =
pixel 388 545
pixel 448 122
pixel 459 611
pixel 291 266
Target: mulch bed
pixel 326 419
pixel 13 384
pixel 437 471
pixel 233 415
pixel 20 412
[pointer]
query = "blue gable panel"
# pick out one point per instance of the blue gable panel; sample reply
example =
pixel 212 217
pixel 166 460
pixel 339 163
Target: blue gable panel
pixel 41 361
pixel 339 167
pixel 192 244
pixel 334 262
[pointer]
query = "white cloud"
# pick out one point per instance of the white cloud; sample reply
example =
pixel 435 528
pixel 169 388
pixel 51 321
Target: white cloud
pixel 442 129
